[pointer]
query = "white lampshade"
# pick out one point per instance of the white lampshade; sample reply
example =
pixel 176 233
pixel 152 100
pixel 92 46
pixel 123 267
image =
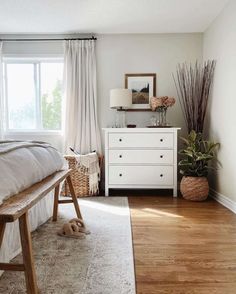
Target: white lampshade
pixel 120 98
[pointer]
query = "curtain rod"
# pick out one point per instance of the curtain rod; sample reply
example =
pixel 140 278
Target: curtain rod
pixel 38 40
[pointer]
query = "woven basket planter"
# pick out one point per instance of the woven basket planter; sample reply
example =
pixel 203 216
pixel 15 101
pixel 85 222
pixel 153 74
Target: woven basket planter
pixel 79 180
pixel 194 188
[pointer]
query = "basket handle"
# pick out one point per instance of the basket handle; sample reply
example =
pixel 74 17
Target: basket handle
pixel 77 153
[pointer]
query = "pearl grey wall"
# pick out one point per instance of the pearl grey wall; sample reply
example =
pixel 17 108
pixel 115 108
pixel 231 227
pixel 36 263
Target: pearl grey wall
pixel 220 44
pixel 143 53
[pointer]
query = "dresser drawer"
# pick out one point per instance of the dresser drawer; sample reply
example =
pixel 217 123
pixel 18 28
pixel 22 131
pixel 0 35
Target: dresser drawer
pixel 141 175
pixel 141 140
pixel 140 156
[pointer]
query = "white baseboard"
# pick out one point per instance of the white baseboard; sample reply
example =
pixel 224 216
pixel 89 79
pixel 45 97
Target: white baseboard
pixel 225 201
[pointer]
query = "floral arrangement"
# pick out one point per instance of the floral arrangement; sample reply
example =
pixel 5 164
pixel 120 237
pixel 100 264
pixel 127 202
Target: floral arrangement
pixel 161 103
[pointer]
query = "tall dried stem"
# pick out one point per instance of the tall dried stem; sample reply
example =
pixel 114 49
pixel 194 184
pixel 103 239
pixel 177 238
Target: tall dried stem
pixel 193 84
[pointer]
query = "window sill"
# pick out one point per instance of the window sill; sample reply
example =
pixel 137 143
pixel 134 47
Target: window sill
pixel 32 133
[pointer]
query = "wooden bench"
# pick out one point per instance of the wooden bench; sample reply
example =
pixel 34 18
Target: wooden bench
pixel 17 207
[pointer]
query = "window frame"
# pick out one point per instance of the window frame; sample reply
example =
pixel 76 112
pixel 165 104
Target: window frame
pixel 37 83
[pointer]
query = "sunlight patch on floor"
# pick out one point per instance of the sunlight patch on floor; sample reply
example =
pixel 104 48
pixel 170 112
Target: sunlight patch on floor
pixel 106 207
pixel 160 213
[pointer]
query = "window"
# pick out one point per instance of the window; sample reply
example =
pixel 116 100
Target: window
pixel 33 94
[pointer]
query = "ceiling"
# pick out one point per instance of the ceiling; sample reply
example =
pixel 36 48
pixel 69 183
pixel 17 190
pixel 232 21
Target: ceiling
pixel 107 16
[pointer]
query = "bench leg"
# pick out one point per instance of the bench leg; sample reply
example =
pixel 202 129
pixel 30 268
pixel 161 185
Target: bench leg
pixel 2 231
pixel 28 260
pixel 55 206
pixel 74 198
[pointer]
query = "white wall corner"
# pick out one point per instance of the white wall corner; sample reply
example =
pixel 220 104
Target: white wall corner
pixel 222 199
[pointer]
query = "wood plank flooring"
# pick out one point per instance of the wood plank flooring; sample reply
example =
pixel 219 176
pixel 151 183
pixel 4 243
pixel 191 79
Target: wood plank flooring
pixel 183 247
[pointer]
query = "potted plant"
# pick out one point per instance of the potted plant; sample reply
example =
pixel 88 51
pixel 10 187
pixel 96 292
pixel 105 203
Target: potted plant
pixel 194 166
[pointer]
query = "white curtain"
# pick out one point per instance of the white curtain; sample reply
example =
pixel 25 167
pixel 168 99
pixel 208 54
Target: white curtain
pixel 1 95
pixel 81 124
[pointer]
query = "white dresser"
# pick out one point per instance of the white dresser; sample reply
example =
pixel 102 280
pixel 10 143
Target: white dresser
pixel 144 158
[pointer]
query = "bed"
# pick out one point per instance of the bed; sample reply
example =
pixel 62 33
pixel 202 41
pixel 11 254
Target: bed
pixel 23 164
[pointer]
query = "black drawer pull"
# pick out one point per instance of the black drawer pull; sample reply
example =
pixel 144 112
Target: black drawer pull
pixel 161 156
pixel 161 175
pixel 120 140
pixel 161 140
pixel 120 156
pixel 120 175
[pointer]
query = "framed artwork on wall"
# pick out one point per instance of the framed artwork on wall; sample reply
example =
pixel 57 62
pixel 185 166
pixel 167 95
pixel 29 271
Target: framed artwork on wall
pixel 143 87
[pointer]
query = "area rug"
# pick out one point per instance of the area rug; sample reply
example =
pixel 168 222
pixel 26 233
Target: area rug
pixel 100 264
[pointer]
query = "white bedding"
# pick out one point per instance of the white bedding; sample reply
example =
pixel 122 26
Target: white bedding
pixel 25 165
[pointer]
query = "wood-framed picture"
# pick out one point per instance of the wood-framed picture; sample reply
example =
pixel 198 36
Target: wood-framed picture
pixel 143 87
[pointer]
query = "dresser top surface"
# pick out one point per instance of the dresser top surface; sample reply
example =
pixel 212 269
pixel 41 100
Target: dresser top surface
pixel 141 130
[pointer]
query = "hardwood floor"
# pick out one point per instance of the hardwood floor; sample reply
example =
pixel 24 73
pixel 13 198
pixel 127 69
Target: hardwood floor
pixel 183 247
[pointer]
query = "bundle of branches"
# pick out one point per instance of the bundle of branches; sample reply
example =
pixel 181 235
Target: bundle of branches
pixel 193 84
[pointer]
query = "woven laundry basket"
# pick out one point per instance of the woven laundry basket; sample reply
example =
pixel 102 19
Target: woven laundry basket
pixel 79 180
